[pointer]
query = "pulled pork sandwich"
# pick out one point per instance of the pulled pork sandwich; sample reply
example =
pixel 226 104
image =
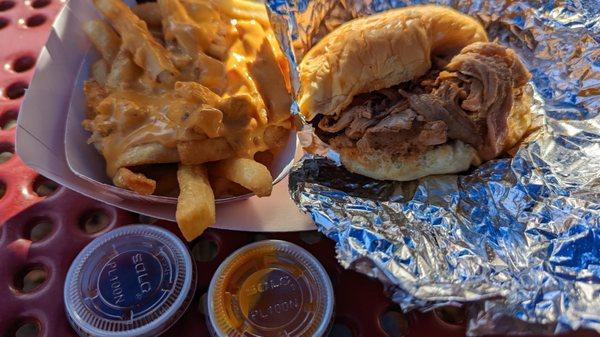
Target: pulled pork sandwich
pixel 413 92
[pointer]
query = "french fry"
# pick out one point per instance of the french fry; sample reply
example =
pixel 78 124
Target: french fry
pixel 248 173
pixel 211 72
pixel 197 96
pixel 136 182
pixel 147 53
pixel 179 26
pixel 104 38
pixel 197 92
pixel 224 188
pixel 94 95
pixel 128 112
pixel 197 152
pixel 149 12
pixel 207 120
pixel 271 84
pixel 243 9
pixel 151 153
pixel 218 48
pixel 196 203
pixel 123 72
pixel 100 70
pixel 196 40
pixel 209 18
pixel 238 110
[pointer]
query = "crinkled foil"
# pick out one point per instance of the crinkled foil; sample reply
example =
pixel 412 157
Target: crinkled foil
pixel 520 237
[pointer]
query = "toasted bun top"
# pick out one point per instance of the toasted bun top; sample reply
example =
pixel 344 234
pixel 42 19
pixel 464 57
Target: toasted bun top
pixel 379 51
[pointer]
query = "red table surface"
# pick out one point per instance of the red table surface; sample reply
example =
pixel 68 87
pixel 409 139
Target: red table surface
pixel 44 226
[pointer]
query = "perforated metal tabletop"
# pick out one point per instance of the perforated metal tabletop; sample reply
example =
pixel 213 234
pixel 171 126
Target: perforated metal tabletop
pixel 43 227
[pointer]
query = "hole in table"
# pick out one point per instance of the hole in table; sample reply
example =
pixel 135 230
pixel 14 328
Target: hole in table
pixel 205 250
pixel 3 23
pixel 26 328
pixel 23 63
pixel 8 120
pixel 259 237
pixel 6 152
pixel 451 315
pixel 40 3
pixel 36 20
pixel 202 305
pixel 38 229
pixel 94 221
pixel 16 90
pixel 394 323
pixel 146 219
pixel 2 189
pixel 30 278
pixel 44 187
pixel 310 237
pixel 340 329
pixel 6 5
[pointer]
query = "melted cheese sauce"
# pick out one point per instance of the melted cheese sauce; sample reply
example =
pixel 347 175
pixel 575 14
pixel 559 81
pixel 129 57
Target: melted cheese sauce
pixel 143 111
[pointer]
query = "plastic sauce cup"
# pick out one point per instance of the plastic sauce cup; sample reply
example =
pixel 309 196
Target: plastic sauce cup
pixel 133 281
pixel 270 288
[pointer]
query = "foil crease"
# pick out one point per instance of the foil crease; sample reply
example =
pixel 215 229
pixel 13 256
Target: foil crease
pixel 518 238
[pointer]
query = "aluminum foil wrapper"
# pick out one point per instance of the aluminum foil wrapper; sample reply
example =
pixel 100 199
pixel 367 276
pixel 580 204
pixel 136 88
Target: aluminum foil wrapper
pixel 519 238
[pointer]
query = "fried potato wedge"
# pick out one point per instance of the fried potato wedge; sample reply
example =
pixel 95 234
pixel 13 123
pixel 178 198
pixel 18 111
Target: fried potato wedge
pixel 196 203
pixel 248 173
pixel 136 182
pixel 197 152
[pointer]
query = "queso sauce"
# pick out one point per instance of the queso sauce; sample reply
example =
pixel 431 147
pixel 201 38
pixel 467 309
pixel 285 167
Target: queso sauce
pixel 145 112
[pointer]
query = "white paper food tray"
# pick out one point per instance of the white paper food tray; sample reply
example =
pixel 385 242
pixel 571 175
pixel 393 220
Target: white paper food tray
pixel 51 140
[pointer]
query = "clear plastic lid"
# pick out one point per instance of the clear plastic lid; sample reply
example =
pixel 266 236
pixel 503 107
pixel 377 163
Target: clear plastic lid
pixel 270 288
pixel 136 280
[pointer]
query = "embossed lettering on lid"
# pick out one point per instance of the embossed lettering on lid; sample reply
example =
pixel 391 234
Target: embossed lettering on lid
pixel 134 281
pixel 270 288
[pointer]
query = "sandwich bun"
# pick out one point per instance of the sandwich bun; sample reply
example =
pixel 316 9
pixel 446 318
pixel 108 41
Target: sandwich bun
pixel 383 50
pixel 379 51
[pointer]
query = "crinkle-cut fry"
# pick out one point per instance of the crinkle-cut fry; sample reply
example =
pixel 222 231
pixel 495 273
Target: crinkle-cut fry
pixel 195 152
pixel 147 53
pixel 151 153
pixel 197 92
pixel 271 84
pixel 178 25
pixel 196 203
pixel 104 38
pixel 248 173
pixel 136 182
pixel 123 72
pixel 149 12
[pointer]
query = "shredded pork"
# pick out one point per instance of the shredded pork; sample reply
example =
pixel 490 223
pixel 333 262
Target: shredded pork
pixel 469 100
